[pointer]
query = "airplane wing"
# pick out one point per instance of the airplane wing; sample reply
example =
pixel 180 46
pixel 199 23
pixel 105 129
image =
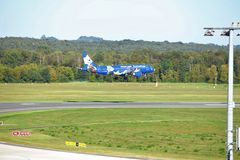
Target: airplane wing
pixel 137 73
pixel 120 73
pixel 130 71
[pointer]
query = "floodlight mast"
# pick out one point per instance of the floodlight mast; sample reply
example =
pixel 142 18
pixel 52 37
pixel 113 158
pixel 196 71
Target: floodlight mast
pixel 228 31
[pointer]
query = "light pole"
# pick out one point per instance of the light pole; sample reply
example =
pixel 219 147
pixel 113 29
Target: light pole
pixel 228 31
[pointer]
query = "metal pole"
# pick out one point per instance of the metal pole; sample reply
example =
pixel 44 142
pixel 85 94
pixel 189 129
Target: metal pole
pixel 228 31
pixel 230 100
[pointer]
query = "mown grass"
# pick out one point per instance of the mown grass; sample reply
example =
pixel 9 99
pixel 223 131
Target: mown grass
pixel 83 91
pixel 196 134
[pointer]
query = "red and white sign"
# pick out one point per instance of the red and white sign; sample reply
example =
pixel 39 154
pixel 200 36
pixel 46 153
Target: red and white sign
pixel 21 133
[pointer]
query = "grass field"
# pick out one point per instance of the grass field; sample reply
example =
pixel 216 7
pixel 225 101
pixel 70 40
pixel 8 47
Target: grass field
pixel 83 91
pixel 196 134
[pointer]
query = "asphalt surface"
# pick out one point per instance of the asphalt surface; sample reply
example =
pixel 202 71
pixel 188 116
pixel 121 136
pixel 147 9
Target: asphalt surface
pixel 21 106
pixel 17 152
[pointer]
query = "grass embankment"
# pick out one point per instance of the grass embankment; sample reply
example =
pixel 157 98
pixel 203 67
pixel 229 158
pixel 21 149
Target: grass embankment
pixel 197 134
pixel 83 91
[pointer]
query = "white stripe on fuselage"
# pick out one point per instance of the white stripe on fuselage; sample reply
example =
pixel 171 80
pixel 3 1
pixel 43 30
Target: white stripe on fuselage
pixel 133 65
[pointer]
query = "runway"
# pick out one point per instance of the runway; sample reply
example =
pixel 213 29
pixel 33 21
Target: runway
pixel 16 152
pixel 21 106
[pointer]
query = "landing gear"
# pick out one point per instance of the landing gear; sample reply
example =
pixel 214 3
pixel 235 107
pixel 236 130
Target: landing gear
pixel 145 77
pixel 125 78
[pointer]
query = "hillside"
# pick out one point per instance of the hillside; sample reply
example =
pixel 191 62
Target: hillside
pixel 96 44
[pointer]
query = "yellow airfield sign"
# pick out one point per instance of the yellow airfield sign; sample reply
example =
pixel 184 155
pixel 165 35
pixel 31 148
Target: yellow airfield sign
pixel 76 144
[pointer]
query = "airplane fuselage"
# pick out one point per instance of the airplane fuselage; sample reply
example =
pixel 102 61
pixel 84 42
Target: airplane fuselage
pixel 125 69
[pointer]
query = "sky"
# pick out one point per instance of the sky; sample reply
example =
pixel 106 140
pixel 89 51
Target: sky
pixel 150 20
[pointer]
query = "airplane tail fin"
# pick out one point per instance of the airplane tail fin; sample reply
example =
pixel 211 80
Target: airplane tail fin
pixel 88 62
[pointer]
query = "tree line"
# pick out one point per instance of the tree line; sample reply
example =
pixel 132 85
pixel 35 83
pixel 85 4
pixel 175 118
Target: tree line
pixel 46 65
pixel 101 46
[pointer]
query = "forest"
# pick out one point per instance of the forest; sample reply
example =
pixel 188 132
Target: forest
pixel 51 60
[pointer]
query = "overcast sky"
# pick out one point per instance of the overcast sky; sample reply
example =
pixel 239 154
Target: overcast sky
pixel 152 20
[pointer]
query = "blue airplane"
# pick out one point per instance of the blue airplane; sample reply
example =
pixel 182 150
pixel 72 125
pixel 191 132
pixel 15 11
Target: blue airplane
pixel 135 70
